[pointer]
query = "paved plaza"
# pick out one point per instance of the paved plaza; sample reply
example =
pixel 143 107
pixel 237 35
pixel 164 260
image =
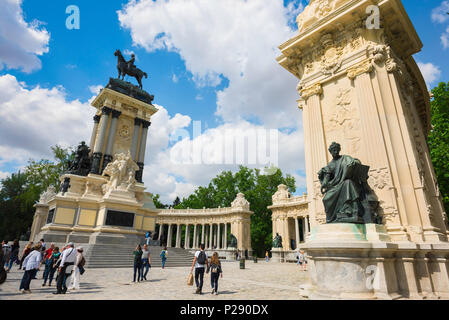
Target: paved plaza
pixel 258 281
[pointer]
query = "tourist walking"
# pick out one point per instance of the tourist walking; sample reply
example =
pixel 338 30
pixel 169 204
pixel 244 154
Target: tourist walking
pixel 302 260
pixel 6 248
pixel 14 256
pixel 267 256
pixel 65 268
pixel 77 270
pixel 48 262
pixel 147 238
pixel 163 256
pixel 52 267
pixel 31 265
pixel 137 263
pixel 146 262
pixel 26 251
pixel 199 263
pixel 215 272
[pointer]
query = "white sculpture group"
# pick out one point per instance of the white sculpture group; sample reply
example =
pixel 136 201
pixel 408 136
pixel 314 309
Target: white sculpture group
pixel 121 174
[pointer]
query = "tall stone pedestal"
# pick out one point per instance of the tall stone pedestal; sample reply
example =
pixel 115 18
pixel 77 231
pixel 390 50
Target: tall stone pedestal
pixel 349 261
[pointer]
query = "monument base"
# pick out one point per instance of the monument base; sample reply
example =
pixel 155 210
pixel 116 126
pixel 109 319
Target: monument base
pixel 350 261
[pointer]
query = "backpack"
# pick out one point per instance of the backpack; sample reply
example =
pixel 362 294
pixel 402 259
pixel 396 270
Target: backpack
pixel 163 254
pixel 82 262
pixel 201 258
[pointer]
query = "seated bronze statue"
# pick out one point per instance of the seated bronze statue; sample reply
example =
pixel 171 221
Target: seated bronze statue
pixel 347 195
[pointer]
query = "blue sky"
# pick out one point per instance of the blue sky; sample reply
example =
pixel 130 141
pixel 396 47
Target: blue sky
pixel 208 61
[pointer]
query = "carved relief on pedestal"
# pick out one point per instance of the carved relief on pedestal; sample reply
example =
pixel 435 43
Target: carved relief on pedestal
pixel 343 122
pixel 364 67
pixel 331 55
pixel 93 189
pixel 123 138
pixel 121 174
pixel 320 215
pixel 380 179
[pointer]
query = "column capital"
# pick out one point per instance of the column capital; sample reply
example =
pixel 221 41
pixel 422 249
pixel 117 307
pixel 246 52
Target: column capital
pixel 146 124
pixel 310 91
pixel 106 110
pixel 137 121
pixel 116 113
pixel 97 118
pixel 361 68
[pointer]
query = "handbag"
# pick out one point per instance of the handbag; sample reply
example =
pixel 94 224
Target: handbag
pixel 190 279
pixel 81 269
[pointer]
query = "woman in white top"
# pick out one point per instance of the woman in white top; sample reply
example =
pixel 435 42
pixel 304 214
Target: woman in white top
pixel 75 278
pixel 31 265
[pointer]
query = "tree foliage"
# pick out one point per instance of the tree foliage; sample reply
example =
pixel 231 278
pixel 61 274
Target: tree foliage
pixel 20 191
pixel 439 139
pixel 258 190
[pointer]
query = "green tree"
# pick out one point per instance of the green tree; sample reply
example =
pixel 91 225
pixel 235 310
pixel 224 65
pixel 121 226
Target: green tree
pixel 20 191
pixel 258 189
pixel 439 138
pixel 157 202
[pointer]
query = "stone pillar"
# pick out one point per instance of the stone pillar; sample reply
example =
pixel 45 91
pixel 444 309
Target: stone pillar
pixel 211 228
pixel 143 145
pixel 169 236
pixel 219 239
pixel 202 234
pixel 135 141
pixel 306 223
pixel 161 229
pixel 298 238
pixel 225 236
pixel 187 237
pixel 99 143
pixel 94 133
pixel 110 142
pixel 178 235
pixel 195 240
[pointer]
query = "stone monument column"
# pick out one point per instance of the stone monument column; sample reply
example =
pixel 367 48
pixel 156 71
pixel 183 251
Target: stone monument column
pixel 143 145
pixel 219 239
pixel 94 132
pixel 195 240
pixel 211 228
pixel 202 234
pixel 135 141
pixel 169 239
pixel 187 237
pixel 111 138
pixel 99 142
pixel 225 236
pixel 161 229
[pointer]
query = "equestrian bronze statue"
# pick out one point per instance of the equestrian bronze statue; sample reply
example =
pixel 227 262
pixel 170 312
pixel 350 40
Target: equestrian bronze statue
pixel 128 68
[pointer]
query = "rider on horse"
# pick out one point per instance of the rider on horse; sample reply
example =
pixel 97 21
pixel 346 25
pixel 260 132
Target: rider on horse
pixel 131 62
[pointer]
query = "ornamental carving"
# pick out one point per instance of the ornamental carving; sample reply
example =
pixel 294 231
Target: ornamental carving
pixel 47 195
pixel 240 202
pixel 380 178
pixel 121 174
pixel 124 131
pixel 316 10
pixel 331 58
pixel 281 194
pixel 364 67
pixel 312 90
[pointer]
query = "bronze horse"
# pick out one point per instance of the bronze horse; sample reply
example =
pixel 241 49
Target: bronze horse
pixel 122 67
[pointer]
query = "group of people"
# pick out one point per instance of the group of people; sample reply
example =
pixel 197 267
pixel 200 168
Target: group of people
pixel 65 263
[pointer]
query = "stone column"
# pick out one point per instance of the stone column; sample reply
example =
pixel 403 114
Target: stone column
pixel 161 229
pixel 169 236
pixel 94 133
pixel 202 233
pixel 195 240
pixel 304 232
pixel 135 141
pixel 298 238
pixel 306 222
pixel 187 237
pixel 143 145
pixel 211 228
pixel 110 144
pixel 219 240
pixel 99 143
pixel 178 236
pixel 225 236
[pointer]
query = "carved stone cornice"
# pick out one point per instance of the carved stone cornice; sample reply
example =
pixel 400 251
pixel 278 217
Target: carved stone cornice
pixel 364 67
pixel 312 90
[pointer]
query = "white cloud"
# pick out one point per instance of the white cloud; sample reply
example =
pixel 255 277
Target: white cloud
pixel 95 89
pixel 445 38
pixel 235 39
pixel 33 119
pixel 430 72
pixel 439 14
pixel 20 42
pixel 4 175
pixel 130 52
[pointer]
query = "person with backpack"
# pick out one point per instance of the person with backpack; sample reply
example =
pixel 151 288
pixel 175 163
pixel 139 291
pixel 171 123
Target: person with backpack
pixel 137 263
pixel 163 256
pixel 199 263
pixel 48 262
pixel 78 270
pixel 68 259
pixel 215 272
